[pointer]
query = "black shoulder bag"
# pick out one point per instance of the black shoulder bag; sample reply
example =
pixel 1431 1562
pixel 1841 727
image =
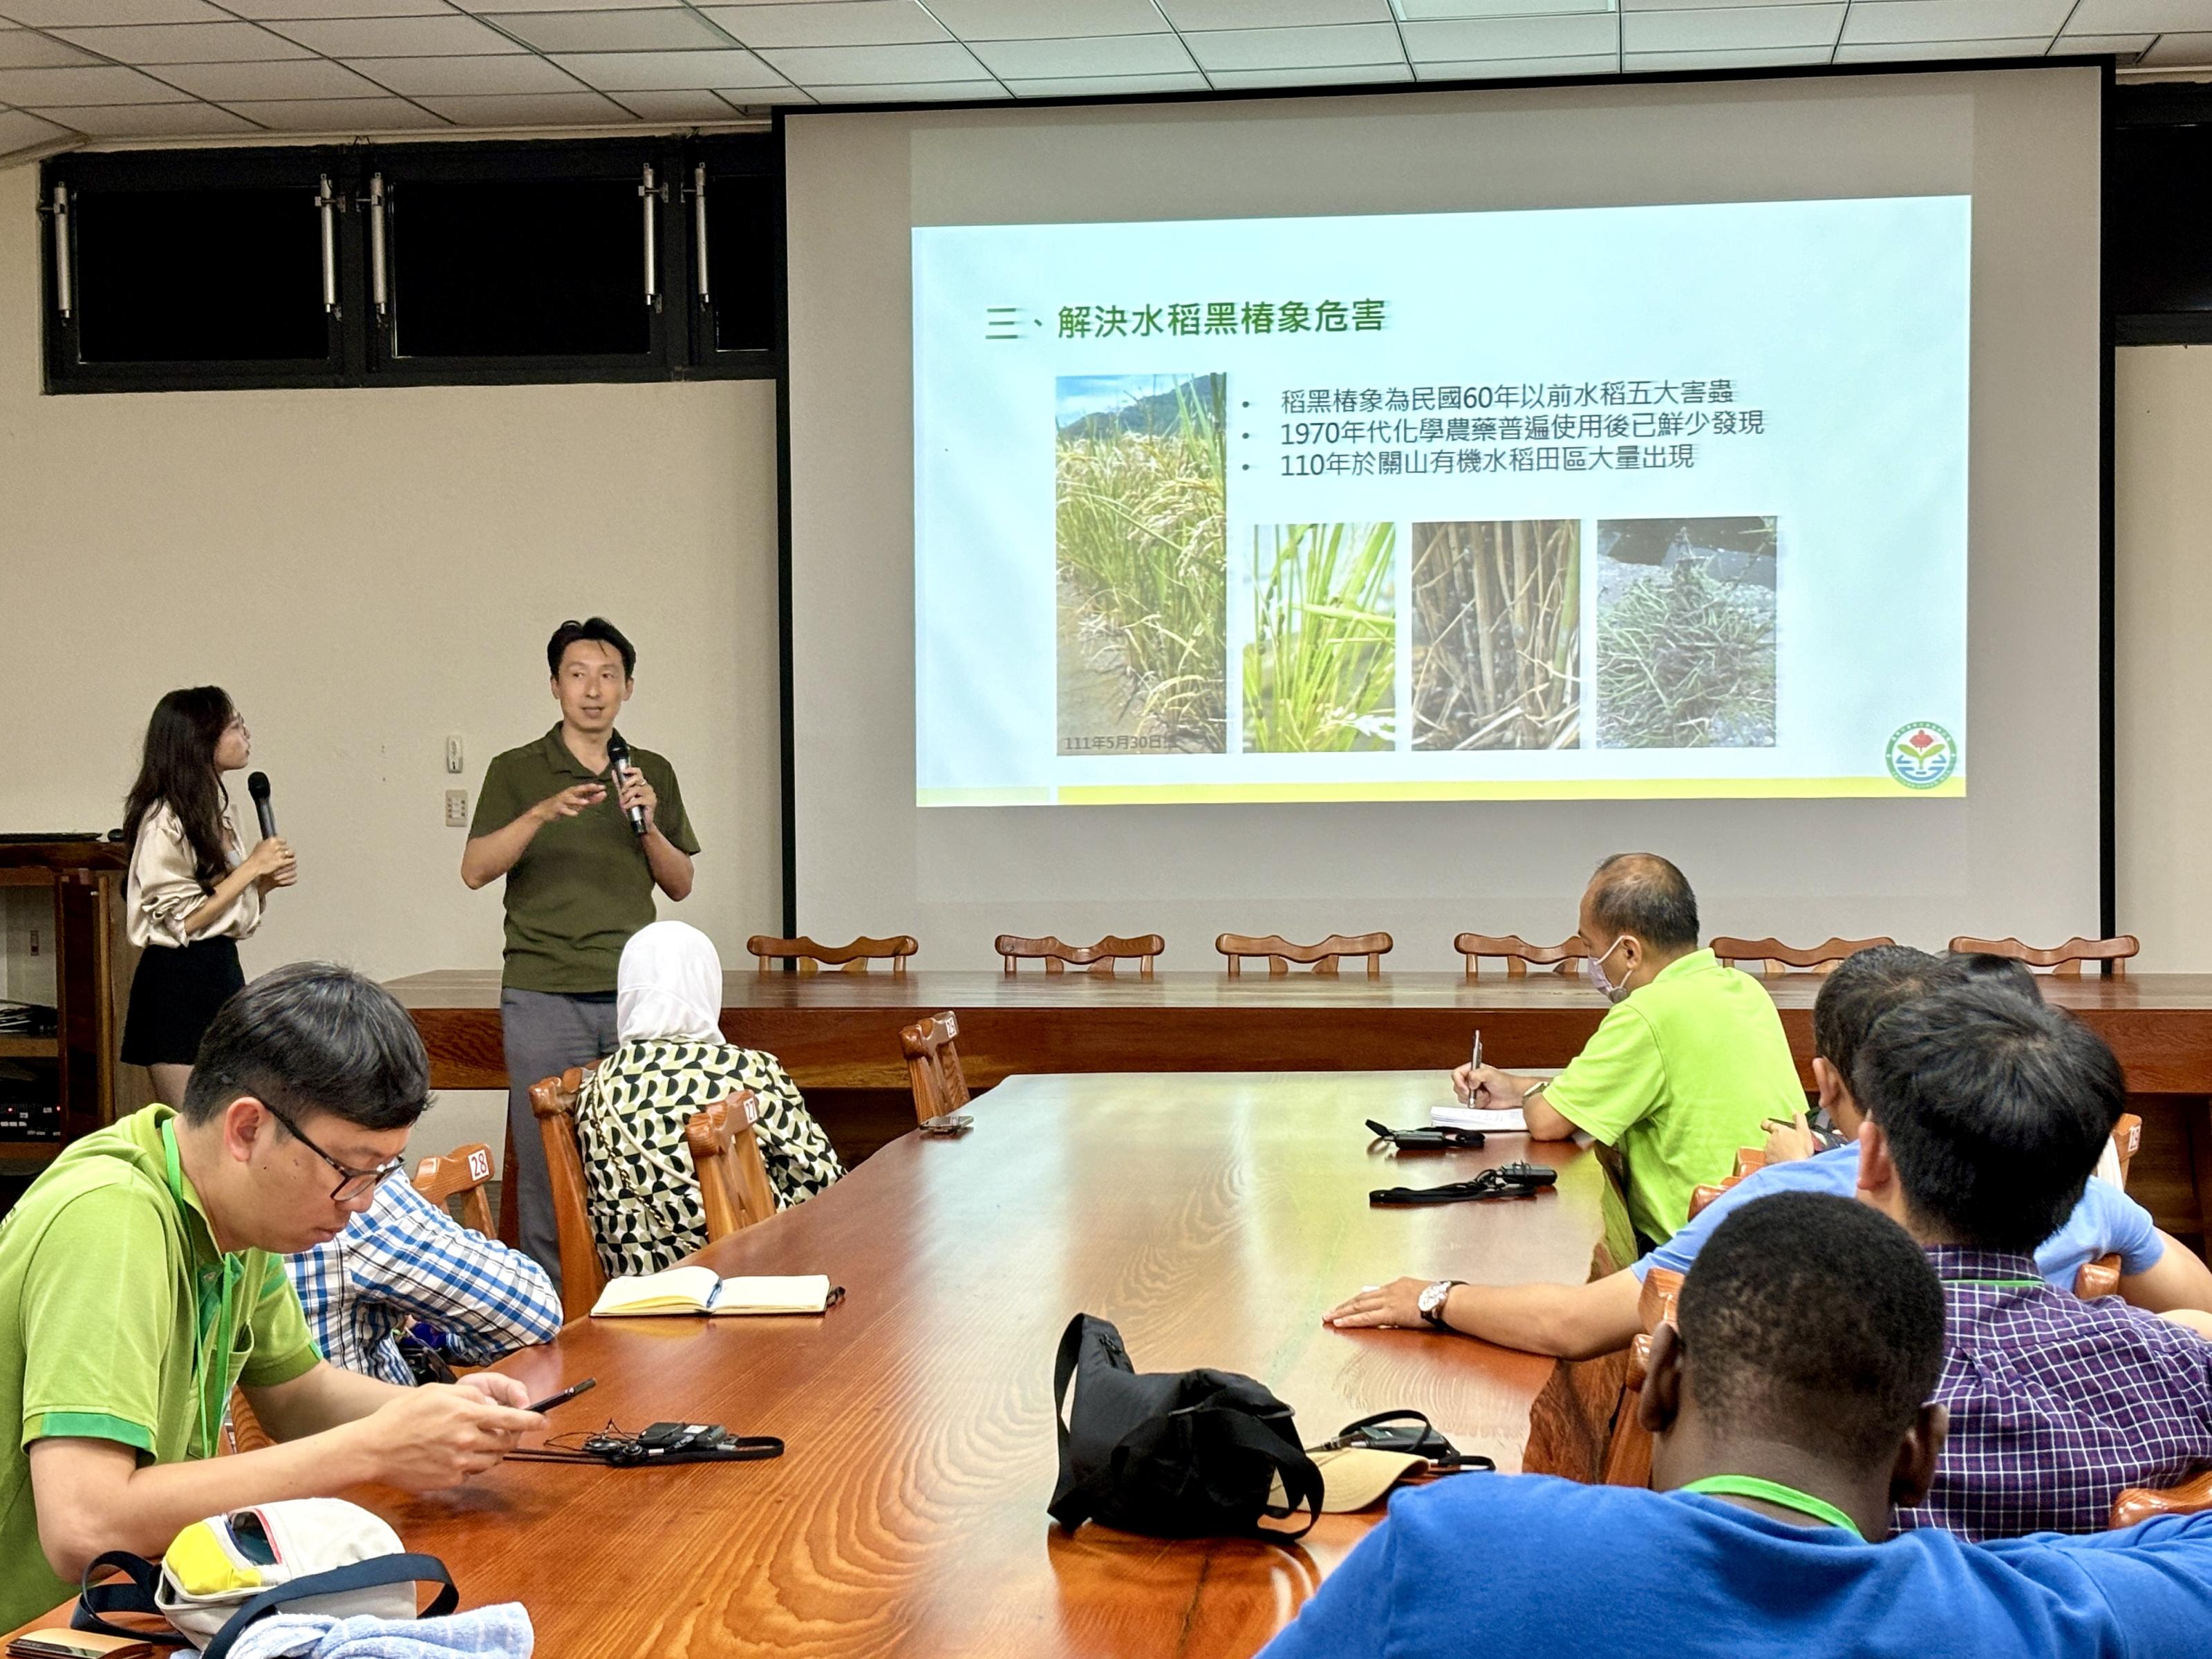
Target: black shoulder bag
pixel 1190 1455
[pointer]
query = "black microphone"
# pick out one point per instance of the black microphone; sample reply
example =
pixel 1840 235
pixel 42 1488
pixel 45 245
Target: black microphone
pixel 618 757
pixel 257 785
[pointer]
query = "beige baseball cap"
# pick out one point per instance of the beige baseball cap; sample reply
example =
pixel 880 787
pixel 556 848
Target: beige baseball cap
pixel 1354 1477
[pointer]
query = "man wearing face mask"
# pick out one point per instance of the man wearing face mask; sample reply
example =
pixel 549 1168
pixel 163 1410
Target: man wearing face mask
pixel 1687 1068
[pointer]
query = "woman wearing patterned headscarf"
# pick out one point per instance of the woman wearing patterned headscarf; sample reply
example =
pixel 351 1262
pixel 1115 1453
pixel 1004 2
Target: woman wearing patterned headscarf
pixel 672 1063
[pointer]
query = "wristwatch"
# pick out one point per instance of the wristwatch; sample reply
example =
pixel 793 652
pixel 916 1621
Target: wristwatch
pixel 1432 1298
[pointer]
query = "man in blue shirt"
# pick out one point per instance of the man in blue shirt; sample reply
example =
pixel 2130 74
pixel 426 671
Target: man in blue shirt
pixel 1785 1401
pixel 2158 1273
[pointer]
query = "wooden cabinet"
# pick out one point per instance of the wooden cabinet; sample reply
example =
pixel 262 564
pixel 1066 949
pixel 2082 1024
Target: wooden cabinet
pixel 62 947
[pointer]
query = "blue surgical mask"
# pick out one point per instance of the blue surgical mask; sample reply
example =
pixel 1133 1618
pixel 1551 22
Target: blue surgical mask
pixel 1595 975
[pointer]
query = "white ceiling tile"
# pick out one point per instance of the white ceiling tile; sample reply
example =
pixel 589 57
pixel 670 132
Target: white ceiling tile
pixel 1106 85
pixel 1025 20
pixel 830 23
pixel 345 115
pixel 855 66
pixel 1676 63
pixel 2120 45
pixel 1322 47
pixel 184 43
pixel 1114 54
pixel 22 49
pixel 1734 28
pixel 264 10
pixel 395 37
pixel 1342 74
pixel 2136 16
pixel 1269 13
pixel 668 71
pixel 1565 36
pixel 2180 49
pixel 1422 11
pixel 106 83
pixel 1486 69
pixel 679 106
pixel 72 14
pixel 466 77
pixel 186 120
pixel 309 77
pixel 1907 51
pixel 665 28
pixel 20 131
pixel 533 109
pixel 909 92
pixel 1877 21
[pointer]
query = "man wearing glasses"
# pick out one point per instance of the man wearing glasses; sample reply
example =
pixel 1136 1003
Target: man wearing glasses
pixel 140 1282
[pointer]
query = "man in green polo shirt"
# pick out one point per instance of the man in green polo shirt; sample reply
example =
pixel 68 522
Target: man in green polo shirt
pixel 139 1284
pixel 557 818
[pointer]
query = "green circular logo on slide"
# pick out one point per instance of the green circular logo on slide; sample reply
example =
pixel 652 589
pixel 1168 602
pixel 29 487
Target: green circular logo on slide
pixel 1922 755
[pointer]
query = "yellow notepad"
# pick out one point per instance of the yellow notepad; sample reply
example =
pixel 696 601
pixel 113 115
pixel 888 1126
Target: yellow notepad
pixel 698 1290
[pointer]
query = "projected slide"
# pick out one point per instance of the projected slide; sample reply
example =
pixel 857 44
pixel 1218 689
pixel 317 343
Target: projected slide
pixel 1591 503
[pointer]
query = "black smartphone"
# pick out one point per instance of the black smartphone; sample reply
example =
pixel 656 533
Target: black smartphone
pixel 564 1396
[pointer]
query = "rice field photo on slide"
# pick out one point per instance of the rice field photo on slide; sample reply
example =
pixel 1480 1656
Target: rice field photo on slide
pixel 1321 671
pixel 1497 620
pixel 1142 564
pixel 1686 632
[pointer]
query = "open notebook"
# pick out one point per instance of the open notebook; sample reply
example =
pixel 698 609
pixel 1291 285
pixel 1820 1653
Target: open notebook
pixel 698 1290
pixel 1493 1120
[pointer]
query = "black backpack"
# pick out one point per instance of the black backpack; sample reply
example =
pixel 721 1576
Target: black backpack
pixel 1193 1455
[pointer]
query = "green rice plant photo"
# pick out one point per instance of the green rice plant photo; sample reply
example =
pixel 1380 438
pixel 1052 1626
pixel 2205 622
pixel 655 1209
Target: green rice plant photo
pixel 1497 620
pixel 1686 632
pixel 1321 670
pixel 1140 468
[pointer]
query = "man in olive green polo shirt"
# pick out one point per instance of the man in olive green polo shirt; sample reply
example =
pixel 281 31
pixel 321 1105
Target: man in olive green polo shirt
pixel 554 818
pixel 139 1284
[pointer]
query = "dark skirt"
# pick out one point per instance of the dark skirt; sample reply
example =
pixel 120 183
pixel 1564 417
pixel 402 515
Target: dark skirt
pixel 173 997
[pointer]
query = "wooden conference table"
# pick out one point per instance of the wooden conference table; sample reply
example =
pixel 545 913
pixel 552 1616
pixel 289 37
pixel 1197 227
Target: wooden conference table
pixel 1212 1219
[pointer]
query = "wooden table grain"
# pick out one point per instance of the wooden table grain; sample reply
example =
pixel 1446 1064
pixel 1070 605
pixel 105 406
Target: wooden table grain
pixel 1213 1219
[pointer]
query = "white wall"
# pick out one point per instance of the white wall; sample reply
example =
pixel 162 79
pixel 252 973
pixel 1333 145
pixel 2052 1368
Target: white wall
pixel 366 571
pixel 2163 491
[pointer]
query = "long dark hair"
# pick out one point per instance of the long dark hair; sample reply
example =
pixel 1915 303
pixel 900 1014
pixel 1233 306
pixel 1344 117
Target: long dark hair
pixel 179 770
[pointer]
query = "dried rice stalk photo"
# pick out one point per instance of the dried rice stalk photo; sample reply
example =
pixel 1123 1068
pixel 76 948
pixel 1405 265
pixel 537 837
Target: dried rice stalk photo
pixel 1497 619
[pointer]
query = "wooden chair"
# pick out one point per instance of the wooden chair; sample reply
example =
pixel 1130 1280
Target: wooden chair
pixel 1323 957
pixel 582 1279
pixel 2065 958
pixel 463 1172
pixel 1628 1454
pixel 2140 1503
pixel 933 1066
pixel 733 1181
pixel 1144 949
pixel 1519 955
pixel 1749 1159
pixel 241 1430
pixel 812 958
pixel 2102 1277
pixel 1770 953
pixel 2127 1139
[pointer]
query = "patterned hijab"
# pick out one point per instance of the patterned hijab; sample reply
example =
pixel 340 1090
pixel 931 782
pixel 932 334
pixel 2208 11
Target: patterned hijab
pixel 669 986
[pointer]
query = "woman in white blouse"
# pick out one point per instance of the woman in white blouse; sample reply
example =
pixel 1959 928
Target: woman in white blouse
pixel 194 893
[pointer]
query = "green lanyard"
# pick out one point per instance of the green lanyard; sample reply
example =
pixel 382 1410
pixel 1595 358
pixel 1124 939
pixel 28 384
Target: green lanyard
pixel 1773 1492
pixel 1996 1284
pixel 215 1286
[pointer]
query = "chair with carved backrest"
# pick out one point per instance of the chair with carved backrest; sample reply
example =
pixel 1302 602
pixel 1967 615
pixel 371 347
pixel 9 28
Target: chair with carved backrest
pixel 1772 954
pixel 2140 1504
pixel 1628 1454
pixel 933 1063
pixel 1322 958
pixel 582 1279
pixel 1143 949
pixel 2102 1276
pixel 463 1173
pixel 809 957
pixel 1518 955
pixel 733 1183
pixel 2065 959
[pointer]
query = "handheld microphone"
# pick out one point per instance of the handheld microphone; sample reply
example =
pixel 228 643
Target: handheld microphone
pixel 618 757
pixel 257 785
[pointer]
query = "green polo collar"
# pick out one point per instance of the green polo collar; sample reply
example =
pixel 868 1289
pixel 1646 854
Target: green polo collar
pixel 560 758
pixel 1697 961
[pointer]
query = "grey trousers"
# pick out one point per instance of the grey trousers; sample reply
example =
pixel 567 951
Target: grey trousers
pixel 544 1033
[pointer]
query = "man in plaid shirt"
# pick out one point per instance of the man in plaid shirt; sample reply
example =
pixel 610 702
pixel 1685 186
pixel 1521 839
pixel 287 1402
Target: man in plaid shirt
pixel 404 1261
pixel 1985 1114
